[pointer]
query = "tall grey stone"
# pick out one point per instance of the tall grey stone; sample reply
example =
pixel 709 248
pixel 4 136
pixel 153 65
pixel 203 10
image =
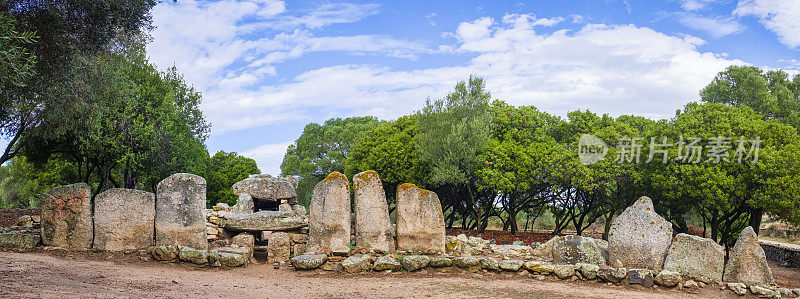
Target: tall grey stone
pixel 124 219
pixel 579 249
pixel 180 211
pixel 639 238
pixel 420 223
pixel 747 262
pixel 696 257
pixel 329 215
pixel 373 226
pixel 66 217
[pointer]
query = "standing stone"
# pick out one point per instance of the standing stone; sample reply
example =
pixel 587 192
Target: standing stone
pixel 180 211
pixel 246 241
pixel 639 238
pixel 329 219
pixel 373 227
pixel 123 219
pixel 244 204
pixel 66 217
pixel 696 257
pixel 747 262
pixel 420 223
pixel 278 247
pixel 578 249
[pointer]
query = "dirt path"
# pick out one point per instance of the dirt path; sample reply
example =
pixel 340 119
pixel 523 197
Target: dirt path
pixel 45 275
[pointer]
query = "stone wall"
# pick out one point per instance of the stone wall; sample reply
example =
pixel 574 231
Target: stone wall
pixel 781 254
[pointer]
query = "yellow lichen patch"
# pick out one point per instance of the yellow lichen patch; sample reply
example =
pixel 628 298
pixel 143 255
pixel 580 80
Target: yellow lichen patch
pixel 675 239
pixel 335 176
pixel 652 222
pixel 405 187
pixel 648 209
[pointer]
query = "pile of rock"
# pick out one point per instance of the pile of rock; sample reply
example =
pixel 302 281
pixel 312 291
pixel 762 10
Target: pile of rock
pixel 214 219
pixel 232 256
pixel 24 235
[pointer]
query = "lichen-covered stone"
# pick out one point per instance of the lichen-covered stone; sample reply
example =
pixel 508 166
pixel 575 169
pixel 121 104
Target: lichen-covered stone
pixel 265 187
pixel 564 271
pixel 415 262
pixel 511 250
pixel 696 257
pixel 738 288
pixel 511 265
pixel 386 262
pixel 194 256
pixel 441 262
pixel 123 219
pixel 165 253
pixel 19 238
pixel 466 262
pixel 588 271
pixel 329 215
pixel 262 221
pixel 489 263
pixel 540 267
pixel 278 247
pixel 764 292
pixel 612 274
pixel 228 259
pixel 639 238
pixel 66 217
pixel 747 262
pixel 308 261
pixel 420 222
pixel 357 263
pixel 578 249
pixel 545 250
pixel 180 211
pixel 244 204
pixel 373 226
pixel 641 277
pixel 668 278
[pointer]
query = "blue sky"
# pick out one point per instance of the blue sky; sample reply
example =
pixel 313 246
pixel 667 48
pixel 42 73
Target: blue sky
pixel 267 68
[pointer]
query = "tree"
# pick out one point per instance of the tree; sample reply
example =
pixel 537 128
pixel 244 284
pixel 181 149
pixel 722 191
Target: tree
pixel 224 170
pixel 322 149
pixel 16 69
pixel 22 183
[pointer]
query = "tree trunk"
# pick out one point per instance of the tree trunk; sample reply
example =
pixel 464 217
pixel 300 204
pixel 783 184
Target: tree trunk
pixel 755 219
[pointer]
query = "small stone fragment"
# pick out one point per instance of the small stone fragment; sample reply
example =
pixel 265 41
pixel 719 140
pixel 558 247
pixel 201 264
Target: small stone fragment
pixel 564 271
pixel 588 271
pixel 466 262
pixel 308 262
pixel 668 278
pixel 415 262
pixel 511 265
pixel 386 262
pixel 441 262
pixel 490 264
pixel 641 277
pixel 357 263
pixel 612 274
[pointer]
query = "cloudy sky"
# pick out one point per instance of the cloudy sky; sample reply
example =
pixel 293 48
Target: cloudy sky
pixel 267 68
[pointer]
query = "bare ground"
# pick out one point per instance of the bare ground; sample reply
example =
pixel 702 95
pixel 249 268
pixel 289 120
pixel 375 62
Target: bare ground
pixel 95 275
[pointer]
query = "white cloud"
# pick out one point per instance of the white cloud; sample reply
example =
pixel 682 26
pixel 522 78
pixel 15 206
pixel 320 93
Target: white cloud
pixel 716 26
pixel 268 157
pixel 693 5
pixel 779 16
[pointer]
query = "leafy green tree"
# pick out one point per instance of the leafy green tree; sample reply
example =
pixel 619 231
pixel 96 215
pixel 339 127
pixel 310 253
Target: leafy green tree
pixel 323 149
pixel 16 69
pixel 224 170
pixel 22 183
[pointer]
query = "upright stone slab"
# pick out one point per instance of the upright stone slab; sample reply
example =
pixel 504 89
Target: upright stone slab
pixel 66 217
pixel 579 249
pixel 696 257
pixel 373 227
pixel 639 238
pixel 420 223
pixel 747 262
pixel 329 215
pixel 123 219
pixel 278 247
pixel 180 211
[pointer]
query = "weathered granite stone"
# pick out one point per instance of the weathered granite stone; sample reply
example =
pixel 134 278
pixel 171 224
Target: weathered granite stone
pixel 415 262
pixel 244 204
pixel 763 292
pixel 441 262
pixel 66 217
pixel 357 263
pixel 540 267
pixel 785 292
pixel 696 257
pixel 387 263
pixel 246 241
pixel 308 261
pixel 420 223
pixel 564 271
pixel 612 274
pixel 511 250
pixel 588 271
pixel 578 249
pixel 738 288
pixel 20 238
pixel 123 219
pixel 373 227
pixel 228 259
pixel 639 238
pixel 668 278
pixel 511 265
pixel 641 277
pixel 490 264
pixel 266 187
pixel 262 221
pixel 278 247
pixel 545 250
pixel 213 258
pixel 747 262
pixel 329 217
pixel 466 262
pixel 194 256
pixel 180 211
pixel 165 253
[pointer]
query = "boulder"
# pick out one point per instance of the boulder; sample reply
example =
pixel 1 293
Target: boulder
pixel 194 256
pixel 747 262
pixel 278 247
pixel 66 217
pixel 228 259
pixel 612 274
pixel 511 265
pixel 386 263
pixel 266 187
pixel 639 238
pixel 262 221
pixel 545 250
pixel 668 278
pixel 420 223
pixel 165 253
pixel 696 257
pixel 540 267
pixel 490 264
pixel 578 249
pixel 308 261
pixel 373 226
pixel 329 217
pixel 123 219
pixel 180 211
pixel 588 271
pixel 415 262
pixel 564 271
pixel 641 277
pixel 441 262
pixel 244 204
pixel 357 263
pixel 466 262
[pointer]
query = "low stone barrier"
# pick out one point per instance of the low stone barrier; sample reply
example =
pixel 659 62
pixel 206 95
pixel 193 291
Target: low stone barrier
pixel 783 254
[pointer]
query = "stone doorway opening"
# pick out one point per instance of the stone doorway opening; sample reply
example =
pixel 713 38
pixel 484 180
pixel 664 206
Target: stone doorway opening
pixel 265 205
